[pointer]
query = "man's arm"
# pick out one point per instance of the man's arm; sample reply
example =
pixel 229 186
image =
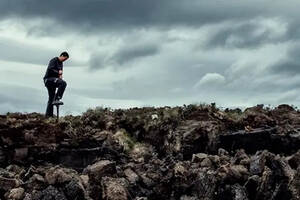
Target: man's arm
pixel 52 66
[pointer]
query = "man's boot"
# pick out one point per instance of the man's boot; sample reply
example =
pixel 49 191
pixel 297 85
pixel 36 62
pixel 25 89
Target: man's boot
pixel 57 101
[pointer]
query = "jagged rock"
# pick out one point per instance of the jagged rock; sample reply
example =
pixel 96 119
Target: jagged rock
pixel 233 173
pixel 257 162
pixel 206 163
pixel 229 192
pixel 224 160
pixel 285 107
pixel 205 185
pixel 294 185
pixel 146 180
pixel 9 183
pixel 238 192
pixel 280 174
pixel 180 170
pixel 84 180
pixel 198 136
pixel 257 117
pixel 15 169
pixel 263 189
pixel 114 188
pixel 251 142
pixel 199 157
pixel 36 182
pixel 222 152
pixel 27 196
pixel 281 168
pixel 223 156
pixel 56 175
pixel 49 193
pixel 185 197
pixel 190 152
pixel 99 169
pixel 101 135
pixel 141 152
pixel 95 173
pixel 74 190
pixel 141 198
pixel 215 159
pixel 29 172
pixel 294 160
pixel 15 194
pixel 241 158
pixel 131 176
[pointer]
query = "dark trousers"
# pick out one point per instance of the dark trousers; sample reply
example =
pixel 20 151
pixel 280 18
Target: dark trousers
pixel 51 84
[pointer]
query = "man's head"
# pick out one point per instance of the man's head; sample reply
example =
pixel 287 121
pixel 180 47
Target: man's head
pixel 63 56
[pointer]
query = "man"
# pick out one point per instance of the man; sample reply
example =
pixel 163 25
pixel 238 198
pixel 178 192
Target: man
pixel 52 80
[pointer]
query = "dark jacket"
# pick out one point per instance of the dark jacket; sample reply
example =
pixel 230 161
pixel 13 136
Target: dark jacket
pixel 53 67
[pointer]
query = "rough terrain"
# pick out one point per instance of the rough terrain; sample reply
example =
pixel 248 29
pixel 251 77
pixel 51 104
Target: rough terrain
pixel 180 153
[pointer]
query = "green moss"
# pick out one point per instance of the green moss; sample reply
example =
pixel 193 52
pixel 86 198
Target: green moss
pixel 235 114
pixel 130 141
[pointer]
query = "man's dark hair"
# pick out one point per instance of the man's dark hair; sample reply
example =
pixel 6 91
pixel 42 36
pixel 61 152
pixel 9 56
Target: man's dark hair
pixel 64 54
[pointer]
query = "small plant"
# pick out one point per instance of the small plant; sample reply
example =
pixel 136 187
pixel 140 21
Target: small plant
pixel 235 114
pixel 126 140
pixel 94 117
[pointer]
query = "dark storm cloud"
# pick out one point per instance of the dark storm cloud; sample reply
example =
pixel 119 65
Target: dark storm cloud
pixel 118 17
pixel 289 65
pixel 241 36
pixel 19 52
pixel 91 15
pixel 293 25
pixel 97 61
pixel 123 55
pixel 15 51
pixel 132 52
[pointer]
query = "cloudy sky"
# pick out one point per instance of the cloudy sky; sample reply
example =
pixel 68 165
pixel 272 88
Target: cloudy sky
pixel 134 53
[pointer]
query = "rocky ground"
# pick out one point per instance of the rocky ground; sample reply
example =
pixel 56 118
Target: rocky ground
pixel 179 153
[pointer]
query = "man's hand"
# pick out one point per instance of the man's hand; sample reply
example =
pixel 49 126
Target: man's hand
pixel 60 74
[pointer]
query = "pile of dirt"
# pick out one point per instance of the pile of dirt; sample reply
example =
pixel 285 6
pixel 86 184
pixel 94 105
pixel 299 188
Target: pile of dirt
pixel 179 153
